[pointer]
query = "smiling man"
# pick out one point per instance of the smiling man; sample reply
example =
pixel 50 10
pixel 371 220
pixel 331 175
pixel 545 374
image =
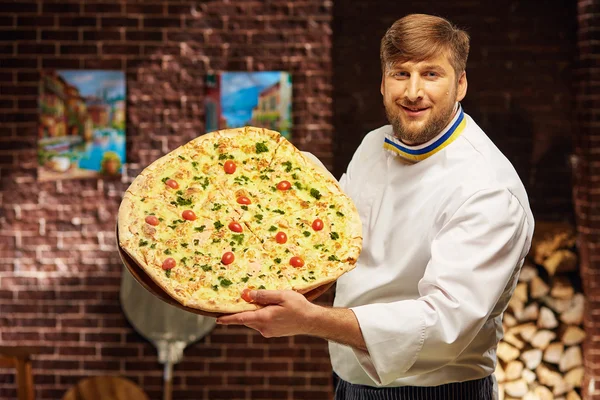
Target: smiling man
pixel 446 226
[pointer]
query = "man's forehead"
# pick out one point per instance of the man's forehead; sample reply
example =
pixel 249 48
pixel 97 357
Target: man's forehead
pixel 440 61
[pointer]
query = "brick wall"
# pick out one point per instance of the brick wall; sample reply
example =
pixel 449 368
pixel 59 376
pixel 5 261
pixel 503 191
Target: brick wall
pixel 520 82
pixel 59 270
pixel 586 181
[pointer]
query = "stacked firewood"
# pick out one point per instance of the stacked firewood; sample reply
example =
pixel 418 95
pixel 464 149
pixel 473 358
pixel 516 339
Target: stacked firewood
pixel 540 355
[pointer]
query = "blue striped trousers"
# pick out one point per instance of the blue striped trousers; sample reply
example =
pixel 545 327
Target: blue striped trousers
pixel 480 389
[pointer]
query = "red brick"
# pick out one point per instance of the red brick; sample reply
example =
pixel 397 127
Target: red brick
pixel 77 22
pixel 78 49
pixel 101 35
pixel 311 394
pixel 268 394
pixel 145 8
pixel 130 49
pixel 59 35
pixel 163 22
pixel 226 394
pixel 118 22
pixel 97 8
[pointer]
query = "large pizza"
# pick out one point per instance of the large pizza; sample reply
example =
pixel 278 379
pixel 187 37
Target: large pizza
pixel 236 210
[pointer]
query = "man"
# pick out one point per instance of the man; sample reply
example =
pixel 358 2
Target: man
pixel 446 226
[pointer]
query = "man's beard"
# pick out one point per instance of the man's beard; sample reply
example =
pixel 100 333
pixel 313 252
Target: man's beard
pixel 431 129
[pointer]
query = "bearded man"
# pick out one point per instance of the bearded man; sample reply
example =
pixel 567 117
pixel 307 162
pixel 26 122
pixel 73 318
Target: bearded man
pixel 446 227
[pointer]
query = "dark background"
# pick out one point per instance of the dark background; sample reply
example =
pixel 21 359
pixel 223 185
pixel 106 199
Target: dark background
pixel 59 270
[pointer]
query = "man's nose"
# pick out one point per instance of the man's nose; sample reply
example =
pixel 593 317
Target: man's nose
pixel 414 90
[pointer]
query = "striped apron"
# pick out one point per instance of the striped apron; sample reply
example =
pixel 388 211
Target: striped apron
pixel 480 389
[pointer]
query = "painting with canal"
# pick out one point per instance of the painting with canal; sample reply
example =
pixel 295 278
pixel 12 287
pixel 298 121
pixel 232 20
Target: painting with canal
pixel 81 131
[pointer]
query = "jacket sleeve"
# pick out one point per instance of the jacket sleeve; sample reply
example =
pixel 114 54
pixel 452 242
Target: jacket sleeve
pixel 473 258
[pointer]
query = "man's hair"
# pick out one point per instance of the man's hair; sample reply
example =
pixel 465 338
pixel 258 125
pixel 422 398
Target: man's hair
pixel 418 37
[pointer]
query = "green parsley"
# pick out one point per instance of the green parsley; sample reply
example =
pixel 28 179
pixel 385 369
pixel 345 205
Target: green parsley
pixel 258 218
pixel 261 148
pixel 168 273
pixel 153 246
pixel 245 279
pixel 218 225
pixel 224 282
pixel 200 228
pixel 273 228
pixel 215 288
pixel 333 258
pixel 277 260
pixel 297 185
pixel 262 287
pixel 165 179
pixel 287 165
pixel 331 206
pixel 239 238
pixel 167 251
pixel 184 202
pixel 315 193
pixel 206 267
pixel 306 233
pixel 182 157
pixel 194 164
pixel 142 243
pixel 278 211
pixel 184 244
pixel 244 207
pixel 339 214
pixel 334 235
pixel 216 207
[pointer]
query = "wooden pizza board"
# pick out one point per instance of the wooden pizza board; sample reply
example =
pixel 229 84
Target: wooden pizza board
pixel 146 281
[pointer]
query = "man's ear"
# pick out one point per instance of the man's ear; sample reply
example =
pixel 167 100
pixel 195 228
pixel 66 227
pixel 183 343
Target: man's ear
pixel 382 80
pixel 462 86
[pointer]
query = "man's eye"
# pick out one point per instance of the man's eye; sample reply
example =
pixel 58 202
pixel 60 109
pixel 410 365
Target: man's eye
pixel 431 74
pixel 400 74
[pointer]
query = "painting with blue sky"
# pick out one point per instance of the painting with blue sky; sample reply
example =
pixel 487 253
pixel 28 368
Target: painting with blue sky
pixel 262 99
pixel 81 132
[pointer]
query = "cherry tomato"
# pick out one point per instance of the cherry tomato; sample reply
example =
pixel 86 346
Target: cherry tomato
pixel 172 183
pixel 189 215
pixel 168 263
pixel 284 185
pixel 229 167
pixel 234 226
pixel 243 200
pixel 152 220
pixel 281 237
pixel 227 258
pixel 246 295
pixel 317 224
pixel 296 262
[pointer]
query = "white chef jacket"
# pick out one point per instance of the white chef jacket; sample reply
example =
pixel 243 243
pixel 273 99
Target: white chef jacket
pixel 443 243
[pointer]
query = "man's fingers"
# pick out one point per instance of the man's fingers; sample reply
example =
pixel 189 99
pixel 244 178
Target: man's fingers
pixel 267 296
pixel 242 318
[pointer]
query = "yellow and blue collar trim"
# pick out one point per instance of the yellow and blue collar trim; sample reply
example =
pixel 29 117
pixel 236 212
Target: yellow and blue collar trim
pixel 418 153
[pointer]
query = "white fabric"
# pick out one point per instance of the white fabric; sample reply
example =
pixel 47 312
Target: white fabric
pixel 444 241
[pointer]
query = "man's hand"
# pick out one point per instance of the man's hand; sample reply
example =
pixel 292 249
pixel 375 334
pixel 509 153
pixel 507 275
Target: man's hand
pixel 288 313
pixel 285 313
